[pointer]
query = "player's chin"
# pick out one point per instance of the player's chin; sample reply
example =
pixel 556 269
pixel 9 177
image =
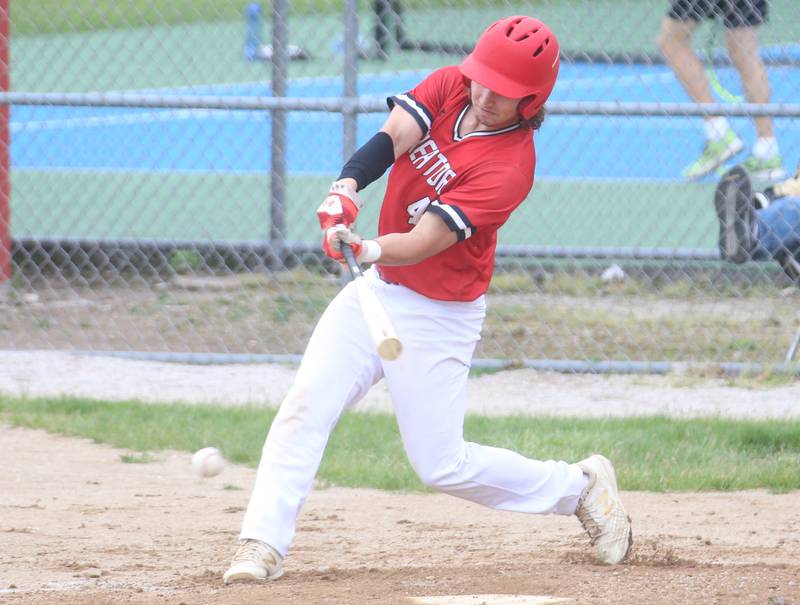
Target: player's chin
pixel 494 120
pixel 488 118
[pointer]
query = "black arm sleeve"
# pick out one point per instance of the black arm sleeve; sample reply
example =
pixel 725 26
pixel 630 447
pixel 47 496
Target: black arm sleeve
pixel 370 161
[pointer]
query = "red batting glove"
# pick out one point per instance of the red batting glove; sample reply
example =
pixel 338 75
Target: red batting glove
pixel 338 236
pixel 339 208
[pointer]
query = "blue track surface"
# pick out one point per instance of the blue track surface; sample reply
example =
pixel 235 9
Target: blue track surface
pixel 570 147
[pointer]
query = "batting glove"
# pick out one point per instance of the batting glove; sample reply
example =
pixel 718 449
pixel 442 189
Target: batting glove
pixel 339 208
pixel 366 251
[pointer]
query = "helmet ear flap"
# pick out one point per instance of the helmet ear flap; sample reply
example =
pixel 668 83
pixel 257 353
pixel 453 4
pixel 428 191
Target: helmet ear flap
pixel 528 107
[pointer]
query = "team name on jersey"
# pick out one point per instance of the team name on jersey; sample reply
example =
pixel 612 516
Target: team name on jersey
pixel 433 164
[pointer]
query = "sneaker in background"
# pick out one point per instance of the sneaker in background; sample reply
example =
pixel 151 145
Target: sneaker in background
pixel 761 169
pixel 715 153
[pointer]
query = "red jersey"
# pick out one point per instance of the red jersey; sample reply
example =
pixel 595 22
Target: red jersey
pixel 473 182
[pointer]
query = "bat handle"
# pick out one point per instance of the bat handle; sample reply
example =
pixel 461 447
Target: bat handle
pixel 352 263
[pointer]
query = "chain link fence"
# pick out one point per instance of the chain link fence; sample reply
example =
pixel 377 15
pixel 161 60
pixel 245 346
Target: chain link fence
pixel 165 160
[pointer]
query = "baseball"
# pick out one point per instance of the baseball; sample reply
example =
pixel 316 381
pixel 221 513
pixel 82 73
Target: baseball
pixel 208 462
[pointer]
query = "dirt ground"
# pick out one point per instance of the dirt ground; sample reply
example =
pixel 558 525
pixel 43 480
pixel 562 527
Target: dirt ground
pixel 80 525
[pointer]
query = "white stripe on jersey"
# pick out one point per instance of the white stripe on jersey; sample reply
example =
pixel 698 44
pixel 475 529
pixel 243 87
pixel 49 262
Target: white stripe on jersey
pixel 455 217
pixel 479 133
pixel 418 109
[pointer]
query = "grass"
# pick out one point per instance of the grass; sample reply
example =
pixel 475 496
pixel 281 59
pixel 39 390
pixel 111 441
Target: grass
pixel 53 16
pixel 50 16
pixel 139 458
pixel 533 313
pixel 574 315
pixel 365 450
pixel 769 377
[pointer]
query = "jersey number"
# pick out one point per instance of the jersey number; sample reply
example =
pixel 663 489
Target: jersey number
pixel 417 209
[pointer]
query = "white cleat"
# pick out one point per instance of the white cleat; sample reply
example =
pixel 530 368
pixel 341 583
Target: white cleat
pixel 254 560
pixel 601 513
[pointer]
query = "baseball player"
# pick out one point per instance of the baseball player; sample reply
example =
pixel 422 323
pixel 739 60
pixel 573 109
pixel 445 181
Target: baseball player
pixel 461 149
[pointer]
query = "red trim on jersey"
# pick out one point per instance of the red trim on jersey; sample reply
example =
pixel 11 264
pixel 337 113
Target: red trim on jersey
pixel 472 182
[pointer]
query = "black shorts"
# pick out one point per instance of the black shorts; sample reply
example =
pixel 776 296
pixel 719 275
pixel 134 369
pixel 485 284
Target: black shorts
pixel 734 13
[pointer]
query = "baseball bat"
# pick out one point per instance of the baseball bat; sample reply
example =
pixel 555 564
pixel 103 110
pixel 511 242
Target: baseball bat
pixel 380 326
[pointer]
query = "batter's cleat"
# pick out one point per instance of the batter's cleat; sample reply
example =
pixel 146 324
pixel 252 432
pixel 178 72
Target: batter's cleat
pixel 733 201
pixel 601 513
pixel 761 169
pixel 715 153
pixel 254 560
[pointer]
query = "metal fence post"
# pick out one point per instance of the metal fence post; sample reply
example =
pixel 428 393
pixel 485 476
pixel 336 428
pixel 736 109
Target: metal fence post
pixel 350 90
pixel 350 76
pixel 280 65
pixel 5 164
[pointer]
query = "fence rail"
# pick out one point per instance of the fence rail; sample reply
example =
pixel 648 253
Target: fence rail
pixel 375 105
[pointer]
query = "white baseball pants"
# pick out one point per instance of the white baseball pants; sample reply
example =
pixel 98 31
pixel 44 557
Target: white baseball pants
pixel 428 387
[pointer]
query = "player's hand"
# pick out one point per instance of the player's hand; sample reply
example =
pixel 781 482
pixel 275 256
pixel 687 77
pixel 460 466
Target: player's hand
pixel 337 236
pixel 340 207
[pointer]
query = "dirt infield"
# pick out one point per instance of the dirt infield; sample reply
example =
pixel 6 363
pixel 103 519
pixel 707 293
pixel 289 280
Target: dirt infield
pixel 79 525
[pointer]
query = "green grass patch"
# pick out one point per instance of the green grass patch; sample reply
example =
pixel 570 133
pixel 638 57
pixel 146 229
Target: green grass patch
pixel 55 16
pixel 185 261
pixel 768 377
pixel 365 450
pixel 141 458
pixel 477 372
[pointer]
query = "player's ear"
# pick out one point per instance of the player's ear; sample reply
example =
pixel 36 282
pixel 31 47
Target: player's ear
pixel 467 82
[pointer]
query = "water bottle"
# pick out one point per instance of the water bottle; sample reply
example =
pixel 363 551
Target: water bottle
pixel 252 43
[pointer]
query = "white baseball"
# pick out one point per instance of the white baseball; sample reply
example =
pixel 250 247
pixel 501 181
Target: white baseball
pixel 208 462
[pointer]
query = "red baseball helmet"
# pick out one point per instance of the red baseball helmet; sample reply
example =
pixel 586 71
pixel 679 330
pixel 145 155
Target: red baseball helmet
pixel 516 57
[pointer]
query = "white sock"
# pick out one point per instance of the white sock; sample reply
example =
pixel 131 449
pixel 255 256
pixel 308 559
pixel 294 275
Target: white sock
pixel 766 148
pixel 716 128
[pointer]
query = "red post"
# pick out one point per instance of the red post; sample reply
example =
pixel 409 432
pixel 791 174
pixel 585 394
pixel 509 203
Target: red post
pixel 5 162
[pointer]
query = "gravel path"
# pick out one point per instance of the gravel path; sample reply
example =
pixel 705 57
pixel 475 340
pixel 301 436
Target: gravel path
pixel 47 373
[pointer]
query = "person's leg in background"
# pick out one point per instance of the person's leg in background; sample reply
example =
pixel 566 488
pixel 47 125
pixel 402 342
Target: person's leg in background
pixel 741 38
pixel 675 42
pixel 389 28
